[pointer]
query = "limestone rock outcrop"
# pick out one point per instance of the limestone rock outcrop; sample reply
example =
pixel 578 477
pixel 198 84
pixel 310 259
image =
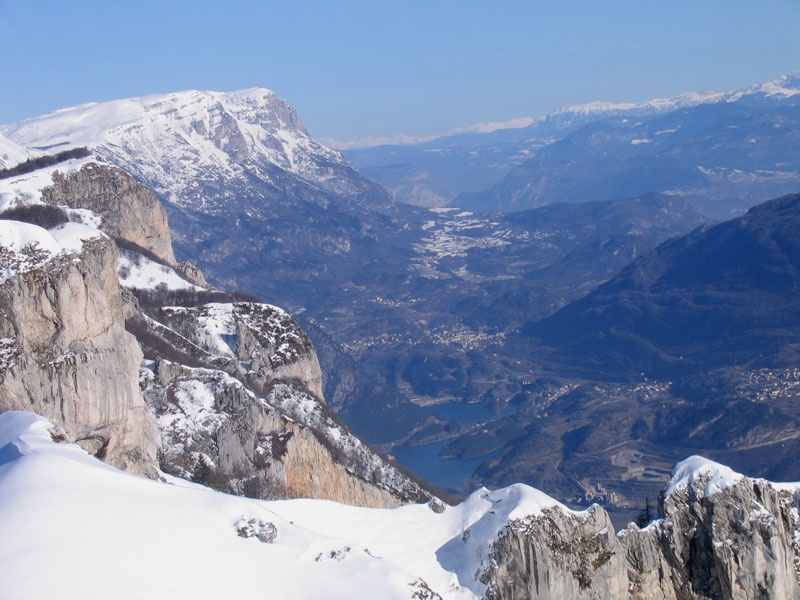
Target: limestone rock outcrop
pixel 249 416
pixel 261 342
pixel 192 273
pixel 66 356
pixel 736 541
pixel 128 209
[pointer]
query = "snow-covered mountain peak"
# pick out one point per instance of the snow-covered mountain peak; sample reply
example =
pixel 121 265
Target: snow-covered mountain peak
pixel 180 142
pixel 784 86
pixel 93 122
pixel 606 109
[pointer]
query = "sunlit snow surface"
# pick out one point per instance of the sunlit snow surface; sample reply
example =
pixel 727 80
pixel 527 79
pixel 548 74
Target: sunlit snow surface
pixel 25 247
pixel 26 188
pixel 717 477
pixel 714 478
pixel 139 272
pixel 12 153
pixel 23 239
pixel 73 527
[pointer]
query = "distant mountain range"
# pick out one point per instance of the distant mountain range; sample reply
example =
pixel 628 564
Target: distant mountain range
pixel 723 151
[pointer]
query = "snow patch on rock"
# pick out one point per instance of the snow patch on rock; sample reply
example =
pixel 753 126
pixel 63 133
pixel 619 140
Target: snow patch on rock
pixel 27 188
pixel 25 247
pixel 139 272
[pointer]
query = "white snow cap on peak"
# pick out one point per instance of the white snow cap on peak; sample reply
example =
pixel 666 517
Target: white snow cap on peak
pixel 95 122
pixel 717 477
pixel 177 143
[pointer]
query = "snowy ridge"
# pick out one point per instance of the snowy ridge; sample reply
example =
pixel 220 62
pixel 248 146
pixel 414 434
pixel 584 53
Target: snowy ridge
pixel 60 505
pixel 25 247
pixel 715 477
pixel 784 86
pixel 11 153
pixel 26 189
pixel 603 109
pixel 177 142
pixel 137 271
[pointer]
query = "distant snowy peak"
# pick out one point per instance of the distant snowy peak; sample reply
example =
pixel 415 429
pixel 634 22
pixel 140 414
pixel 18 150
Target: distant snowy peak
pixel 782 87
pixel 608 109
pixel 179 142
pixel 198 110
pixel 785 86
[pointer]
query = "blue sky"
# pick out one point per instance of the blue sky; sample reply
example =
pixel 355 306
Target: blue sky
pixel 356 69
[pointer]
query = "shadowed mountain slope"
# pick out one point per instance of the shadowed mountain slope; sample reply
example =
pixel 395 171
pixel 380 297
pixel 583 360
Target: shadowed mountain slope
pixel 722 295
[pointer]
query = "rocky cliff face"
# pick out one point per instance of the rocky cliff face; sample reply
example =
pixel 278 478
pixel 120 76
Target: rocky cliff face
pixel 722 536
pixel 128 209
pixel 249 417
pixel 66 354
pixel 239 443
pixel 261 343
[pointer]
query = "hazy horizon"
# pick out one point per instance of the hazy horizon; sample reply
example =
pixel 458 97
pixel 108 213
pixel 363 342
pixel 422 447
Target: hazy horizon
pixel 370 69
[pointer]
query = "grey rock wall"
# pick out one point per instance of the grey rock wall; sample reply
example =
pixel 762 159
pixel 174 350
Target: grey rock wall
pixel 264 344
pixel 239 443
pixel 739 543
pixel 129 210
pixel 68 357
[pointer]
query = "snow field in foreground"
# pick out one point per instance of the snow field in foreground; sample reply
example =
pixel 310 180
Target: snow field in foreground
pixel 76 528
